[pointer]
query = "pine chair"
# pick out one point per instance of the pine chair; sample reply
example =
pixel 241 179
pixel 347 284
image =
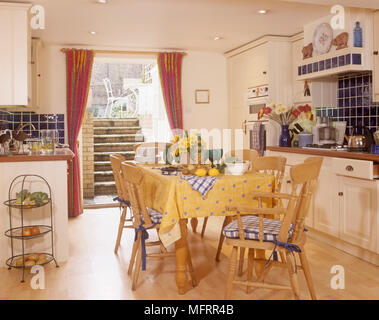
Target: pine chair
pixel 122 197
pixel 143 219
pixel 257 231
pixel 271 165
pixel 248 154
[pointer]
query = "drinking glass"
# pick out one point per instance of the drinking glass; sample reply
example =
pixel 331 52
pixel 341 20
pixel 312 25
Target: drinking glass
pixel 48 140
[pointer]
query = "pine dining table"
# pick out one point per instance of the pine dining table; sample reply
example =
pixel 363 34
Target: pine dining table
pixel 175 198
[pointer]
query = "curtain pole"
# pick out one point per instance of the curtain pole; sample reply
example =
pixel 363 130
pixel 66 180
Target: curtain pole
pixel 126 52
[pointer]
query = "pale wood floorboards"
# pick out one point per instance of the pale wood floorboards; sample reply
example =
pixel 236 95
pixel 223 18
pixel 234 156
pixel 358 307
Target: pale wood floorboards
pixel 95 272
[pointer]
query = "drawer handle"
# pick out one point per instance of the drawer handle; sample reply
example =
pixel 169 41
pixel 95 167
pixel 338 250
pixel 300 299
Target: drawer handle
pixel 349 168
pixel 340 194
pixel 288 181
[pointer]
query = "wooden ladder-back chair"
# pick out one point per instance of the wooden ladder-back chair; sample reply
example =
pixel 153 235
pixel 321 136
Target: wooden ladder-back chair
pixel 270 165
pixel 287 237
pixel 248 154
pixel 122 197
pixel 143 219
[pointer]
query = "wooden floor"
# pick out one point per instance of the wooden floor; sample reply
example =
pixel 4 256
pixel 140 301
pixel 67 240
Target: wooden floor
pixel 95 272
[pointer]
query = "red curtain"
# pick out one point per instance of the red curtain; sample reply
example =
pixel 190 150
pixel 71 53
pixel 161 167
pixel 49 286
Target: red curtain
pixel 79 68
pixel 170 71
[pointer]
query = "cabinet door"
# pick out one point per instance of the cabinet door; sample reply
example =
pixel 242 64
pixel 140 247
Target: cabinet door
pixel 14 55
pixel 375 73
pixel 326 201
pixel 358 210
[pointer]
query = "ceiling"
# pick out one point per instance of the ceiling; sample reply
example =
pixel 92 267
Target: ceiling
pixel 175 24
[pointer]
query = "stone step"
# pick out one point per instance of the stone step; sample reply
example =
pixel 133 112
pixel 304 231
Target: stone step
pixel 116 147
pixel 104 122
pixel 111 138
pixel 102 166
pixel 104 176
pixel 104 156
pixel 105 188
pixel 115 130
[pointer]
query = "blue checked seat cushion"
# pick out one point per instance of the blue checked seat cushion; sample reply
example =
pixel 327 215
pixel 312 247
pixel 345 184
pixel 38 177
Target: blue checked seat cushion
pixel 250 226
pixel 155 216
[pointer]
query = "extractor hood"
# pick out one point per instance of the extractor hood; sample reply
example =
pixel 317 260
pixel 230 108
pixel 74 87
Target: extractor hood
pixel 328 52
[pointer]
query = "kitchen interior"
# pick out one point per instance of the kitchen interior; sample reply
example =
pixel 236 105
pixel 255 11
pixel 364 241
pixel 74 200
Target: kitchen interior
pixel 326 78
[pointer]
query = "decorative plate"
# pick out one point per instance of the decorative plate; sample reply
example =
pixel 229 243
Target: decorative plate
pixel 322 38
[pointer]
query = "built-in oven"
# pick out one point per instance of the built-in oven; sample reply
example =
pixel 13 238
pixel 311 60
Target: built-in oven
pixel 271 129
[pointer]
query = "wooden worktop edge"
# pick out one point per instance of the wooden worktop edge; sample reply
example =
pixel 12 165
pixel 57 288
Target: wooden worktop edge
pixel 328 153
pixel 64 155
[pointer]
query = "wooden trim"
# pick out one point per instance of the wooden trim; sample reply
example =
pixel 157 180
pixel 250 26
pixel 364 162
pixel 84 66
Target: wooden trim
pixel 328 153
pixel 61 155
pixel 152 53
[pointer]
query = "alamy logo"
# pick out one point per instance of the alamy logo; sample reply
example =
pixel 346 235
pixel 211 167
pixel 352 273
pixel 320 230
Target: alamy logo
pixel 38 19
pixel 338 20
pixel 38 281
pixel 338 280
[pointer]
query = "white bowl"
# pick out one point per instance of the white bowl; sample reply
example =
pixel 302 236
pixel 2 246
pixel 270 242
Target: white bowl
pixel 237 169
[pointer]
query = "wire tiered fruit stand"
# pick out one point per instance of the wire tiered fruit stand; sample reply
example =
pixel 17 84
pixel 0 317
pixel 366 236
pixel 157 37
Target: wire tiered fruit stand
pixel 21 204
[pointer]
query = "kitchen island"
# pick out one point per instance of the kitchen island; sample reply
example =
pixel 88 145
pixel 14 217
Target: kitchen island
pixel 345 207
pixel 53 168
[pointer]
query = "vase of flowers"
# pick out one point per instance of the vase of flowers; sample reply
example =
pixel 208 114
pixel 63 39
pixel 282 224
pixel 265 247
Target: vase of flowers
pixel 284 116
pixel 187 148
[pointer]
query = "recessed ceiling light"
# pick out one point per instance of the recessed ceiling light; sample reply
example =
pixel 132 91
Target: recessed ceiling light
pixel 93 32
pixel 102 1
pixel 217 38
pixel 262 11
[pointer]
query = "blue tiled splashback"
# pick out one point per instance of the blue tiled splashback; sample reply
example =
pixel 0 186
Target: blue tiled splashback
pixel 355 105
pixel 11 120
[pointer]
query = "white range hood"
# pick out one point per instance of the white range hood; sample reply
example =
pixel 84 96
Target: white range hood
pixel 334 62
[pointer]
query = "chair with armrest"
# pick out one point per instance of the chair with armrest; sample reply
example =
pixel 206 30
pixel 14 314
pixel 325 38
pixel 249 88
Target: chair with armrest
pixel 248 154
pixel 258 231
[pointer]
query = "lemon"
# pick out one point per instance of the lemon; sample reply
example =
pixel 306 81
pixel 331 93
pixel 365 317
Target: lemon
pixel 201 172
pixel 213 172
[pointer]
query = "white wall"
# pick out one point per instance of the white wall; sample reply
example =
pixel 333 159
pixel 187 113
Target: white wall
pixel 205 70
pixel 201 70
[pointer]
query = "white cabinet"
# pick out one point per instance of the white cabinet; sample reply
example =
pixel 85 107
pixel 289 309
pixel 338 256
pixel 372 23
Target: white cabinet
pixel 375 72
pixel 358 212
pixel 346 200
pixel 14 54
pixel 326 210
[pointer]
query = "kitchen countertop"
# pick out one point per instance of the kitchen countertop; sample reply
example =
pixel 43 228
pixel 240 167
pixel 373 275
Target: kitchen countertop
pixel 64 154
pixel 328 153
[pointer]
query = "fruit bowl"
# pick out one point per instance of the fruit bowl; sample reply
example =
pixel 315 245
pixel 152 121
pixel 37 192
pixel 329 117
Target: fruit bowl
pixel 237 168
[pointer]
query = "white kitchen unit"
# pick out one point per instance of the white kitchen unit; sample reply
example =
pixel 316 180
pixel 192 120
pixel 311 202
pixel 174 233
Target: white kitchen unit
pixel 53 168
pixel 375 72
pixel 15 47
pixel 345 208
pixel 264 62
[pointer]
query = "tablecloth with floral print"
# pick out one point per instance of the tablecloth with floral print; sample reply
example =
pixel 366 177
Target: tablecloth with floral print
pixel 175 199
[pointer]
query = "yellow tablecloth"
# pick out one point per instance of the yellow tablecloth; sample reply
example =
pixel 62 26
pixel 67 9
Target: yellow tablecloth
pixel 175 199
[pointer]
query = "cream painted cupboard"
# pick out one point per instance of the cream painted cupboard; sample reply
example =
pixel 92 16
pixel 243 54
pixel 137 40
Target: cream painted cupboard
pixel 266 61
pixel 375 72
pixel 343 206
pixel 15 47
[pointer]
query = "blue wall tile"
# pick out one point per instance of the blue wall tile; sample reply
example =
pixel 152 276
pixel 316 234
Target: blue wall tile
pixel 355 103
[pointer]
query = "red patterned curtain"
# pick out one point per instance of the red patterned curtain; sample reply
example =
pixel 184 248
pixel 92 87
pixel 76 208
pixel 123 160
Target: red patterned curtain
pixel 79 68
pixel 170 71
